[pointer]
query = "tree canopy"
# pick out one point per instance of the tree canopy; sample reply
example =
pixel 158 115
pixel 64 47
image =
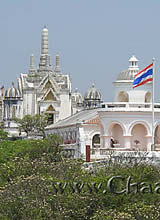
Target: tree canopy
pixel 33 124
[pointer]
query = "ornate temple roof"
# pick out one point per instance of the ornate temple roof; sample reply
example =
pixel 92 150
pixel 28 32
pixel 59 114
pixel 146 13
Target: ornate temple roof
pixel 93 94
pixel 12 92
pixel 77 97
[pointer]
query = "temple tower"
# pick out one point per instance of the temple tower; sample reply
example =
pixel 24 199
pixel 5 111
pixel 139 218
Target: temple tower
pixel 44 63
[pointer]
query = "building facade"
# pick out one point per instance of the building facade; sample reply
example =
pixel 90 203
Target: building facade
pixel 122 125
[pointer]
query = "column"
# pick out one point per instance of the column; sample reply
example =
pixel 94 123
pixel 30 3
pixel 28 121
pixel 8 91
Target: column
pixel 106 141
pixel 127 141
pixel 149 143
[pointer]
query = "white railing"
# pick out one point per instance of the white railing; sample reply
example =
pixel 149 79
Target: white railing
pixel 106 151
pixel 119 106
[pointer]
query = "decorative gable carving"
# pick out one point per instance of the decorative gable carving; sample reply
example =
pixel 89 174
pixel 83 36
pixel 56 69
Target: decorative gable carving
pixel 48 85
pixel 50 97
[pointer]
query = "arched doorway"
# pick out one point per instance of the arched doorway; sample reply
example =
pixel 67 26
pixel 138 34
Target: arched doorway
pixel 117 134
pixel 157 135
pixel 51 114
pixel 96 141
pixel 138 140
pixel 122 97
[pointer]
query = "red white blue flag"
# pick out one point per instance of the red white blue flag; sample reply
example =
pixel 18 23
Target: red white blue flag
pixel 144 76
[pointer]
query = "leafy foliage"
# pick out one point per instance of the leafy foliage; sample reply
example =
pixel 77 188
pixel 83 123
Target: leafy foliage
pixel 29 168
pixel 33 124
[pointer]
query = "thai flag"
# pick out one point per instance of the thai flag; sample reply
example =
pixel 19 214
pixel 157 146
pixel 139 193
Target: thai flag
pixel 143 76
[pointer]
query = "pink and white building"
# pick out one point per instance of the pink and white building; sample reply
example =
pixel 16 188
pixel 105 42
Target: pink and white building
pixel 127 120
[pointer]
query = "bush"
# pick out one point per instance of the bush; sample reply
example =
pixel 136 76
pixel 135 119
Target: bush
pixel 30 168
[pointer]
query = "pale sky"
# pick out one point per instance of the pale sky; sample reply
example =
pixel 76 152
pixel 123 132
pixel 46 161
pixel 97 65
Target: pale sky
pixel 95 38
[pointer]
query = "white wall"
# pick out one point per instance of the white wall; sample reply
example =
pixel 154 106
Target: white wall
pixel 65 108
pixel 135 95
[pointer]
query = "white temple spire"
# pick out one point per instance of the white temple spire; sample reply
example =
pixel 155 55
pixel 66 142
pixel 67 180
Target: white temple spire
pixel 31 68
pixel 44 41
pixel 44 63
pixel 57 67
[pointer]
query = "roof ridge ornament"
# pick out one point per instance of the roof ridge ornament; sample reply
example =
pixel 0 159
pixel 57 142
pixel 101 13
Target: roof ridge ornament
pixel 31 68
pixel 57 66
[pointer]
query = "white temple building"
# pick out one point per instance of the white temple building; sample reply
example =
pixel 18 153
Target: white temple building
pixel 127 120
pixel 41 90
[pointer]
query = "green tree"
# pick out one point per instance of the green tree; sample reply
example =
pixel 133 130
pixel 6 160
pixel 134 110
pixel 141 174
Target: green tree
pixel 33 124
pixel 26 124
pixel 40 122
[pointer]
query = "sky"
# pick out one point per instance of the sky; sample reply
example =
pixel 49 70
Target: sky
pixel 95 38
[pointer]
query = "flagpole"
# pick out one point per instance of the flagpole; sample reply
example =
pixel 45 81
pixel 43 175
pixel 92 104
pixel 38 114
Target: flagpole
pixel 153 76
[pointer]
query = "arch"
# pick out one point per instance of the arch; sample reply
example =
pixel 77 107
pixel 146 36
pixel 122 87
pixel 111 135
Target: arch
pixel 144 123
pixel 111 124
pixel 51 114
pixel 148 97
pixel 96 140
pixel 123 97
pixel 157 134
pixel 138 139
pixel 117 134
pixel 51 118
pixel 117 131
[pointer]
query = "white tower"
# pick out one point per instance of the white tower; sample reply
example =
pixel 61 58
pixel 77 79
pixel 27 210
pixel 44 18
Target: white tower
pixel 31 66
pixel 124 91
pixel 44 42
pixel 133 66
pixel 44 63
pixel 57 66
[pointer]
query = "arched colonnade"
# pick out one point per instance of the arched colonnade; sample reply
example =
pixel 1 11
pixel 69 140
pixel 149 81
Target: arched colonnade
pixel 136 136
